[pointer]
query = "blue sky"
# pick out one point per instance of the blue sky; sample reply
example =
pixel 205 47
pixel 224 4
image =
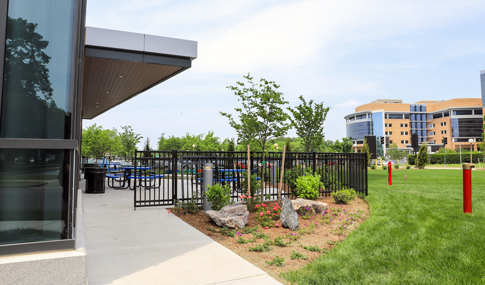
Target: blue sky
pixel 343 53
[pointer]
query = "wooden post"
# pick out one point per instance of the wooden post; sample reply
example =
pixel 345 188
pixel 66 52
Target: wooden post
pixel 281 175
pixel 248 165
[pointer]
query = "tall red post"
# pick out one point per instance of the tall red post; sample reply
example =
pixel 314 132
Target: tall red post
pixel 389 177
pixel 467 187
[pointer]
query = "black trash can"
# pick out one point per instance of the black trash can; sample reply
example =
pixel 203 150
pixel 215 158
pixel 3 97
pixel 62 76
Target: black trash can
pixel 86 165
pixel 95 177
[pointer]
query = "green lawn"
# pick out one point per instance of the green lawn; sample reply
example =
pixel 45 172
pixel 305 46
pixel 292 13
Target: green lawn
pixel 417 234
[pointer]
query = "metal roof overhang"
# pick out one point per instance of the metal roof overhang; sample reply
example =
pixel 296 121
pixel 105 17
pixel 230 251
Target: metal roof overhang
pixel 120 65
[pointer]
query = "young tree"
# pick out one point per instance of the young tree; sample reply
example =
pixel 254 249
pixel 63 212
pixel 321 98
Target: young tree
pixel 308 121
pixel 129 140
pixel 365 148
pixel 344 146
pixel 423 156
pixel 394 152
pixel 147 148
pixel 262 116
pixel 97 142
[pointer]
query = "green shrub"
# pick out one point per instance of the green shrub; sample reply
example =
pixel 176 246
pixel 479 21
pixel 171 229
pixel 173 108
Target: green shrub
pixel 308 186
pixel 451 158
pixel 373 166
pixel 396 166
pixel 412 159
pixel 218 196
pixel 384 167
pixel 343 196
pixel 408 166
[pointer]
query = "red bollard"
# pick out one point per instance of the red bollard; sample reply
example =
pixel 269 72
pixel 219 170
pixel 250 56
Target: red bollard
pixel 467 187
pixel 389 176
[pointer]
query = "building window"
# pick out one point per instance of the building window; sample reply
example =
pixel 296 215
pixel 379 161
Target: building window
pixel 437 116
pixel 443 132
pixel 431 133
pixel 388 133
pixel 404 141
pixel 390 141
pixel 406 116
pixel 462 112
pixel 404 125
pixel 395 116
pixel 431 126
pixel 443 124
pixel 404 133
pixel 388 125
pixel 478 112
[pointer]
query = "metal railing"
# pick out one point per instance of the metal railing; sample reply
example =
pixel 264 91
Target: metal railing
pixel 162 177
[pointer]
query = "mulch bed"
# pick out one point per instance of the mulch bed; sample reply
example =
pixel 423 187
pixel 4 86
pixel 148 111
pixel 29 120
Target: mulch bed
pixel 326 234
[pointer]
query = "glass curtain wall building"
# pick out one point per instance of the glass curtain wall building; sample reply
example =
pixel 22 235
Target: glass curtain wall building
pixel 459 120
pixel 55 72
pixel 40 44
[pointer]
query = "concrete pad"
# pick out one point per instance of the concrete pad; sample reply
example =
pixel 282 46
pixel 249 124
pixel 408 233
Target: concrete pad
pixel 150 246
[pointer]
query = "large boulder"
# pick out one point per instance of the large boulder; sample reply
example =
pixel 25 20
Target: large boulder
pixel 232 216
pixel 313 207
pixel 288 216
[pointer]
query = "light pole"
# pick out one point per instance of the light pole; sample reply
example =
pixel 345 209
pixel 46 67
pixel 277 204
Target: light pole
pixel 193 147
pixel 471 149
pixel 276 146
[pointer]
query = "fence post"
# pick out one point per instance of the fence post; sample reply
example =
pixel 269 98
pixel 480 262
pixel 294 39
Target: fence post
pixel 314 162
pixel 134 183
pixel 174 174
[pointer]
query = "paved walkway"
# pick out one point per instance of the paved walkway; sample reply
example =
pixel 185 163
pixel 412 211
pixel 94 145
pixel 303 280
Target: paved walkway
pixel 150 246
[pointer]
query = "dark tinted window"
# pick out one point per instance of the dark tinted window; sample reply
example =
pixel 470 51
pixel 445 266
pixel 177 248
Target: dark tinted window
pixel 395 116
pixel 462 112
pixel 34 187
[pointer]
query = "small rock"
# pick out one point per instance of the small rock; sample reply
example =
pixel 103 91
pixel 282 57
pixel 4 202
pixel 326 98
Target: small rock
pixel 232 216
pixel 319 207
pixel 288 216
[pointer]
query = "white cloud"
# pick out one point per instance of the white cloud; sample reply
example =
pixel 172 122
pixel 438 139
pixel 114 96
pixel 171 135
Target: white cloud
pixel 349 103
pixel 340 52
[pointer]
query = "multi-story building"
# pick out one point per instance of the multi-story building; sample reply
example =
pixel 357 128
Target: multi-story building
pixel 458 120
pixel 55 72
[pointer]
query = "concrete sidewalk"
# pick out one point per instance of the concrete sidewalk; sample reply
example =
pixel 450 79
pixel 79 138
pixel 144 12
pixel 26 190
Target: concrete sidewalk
pixel 150 246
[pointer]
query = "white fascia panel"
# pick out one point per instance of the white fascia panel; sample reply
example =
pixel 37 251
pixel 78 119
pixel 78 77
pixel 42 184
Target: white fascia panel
pixel 170 46
pixel 114 39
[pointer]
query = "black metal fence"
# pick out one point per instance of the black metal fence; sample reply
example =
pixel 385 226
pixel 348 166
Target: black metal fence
pixel 162 177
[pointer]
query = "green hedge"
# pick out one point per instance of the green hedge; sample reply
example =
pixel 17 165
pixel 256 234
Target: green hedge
pixel 451 158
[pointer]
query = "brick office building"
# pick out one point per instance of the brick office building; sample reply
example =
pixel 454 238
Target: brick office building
pixel 457 119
